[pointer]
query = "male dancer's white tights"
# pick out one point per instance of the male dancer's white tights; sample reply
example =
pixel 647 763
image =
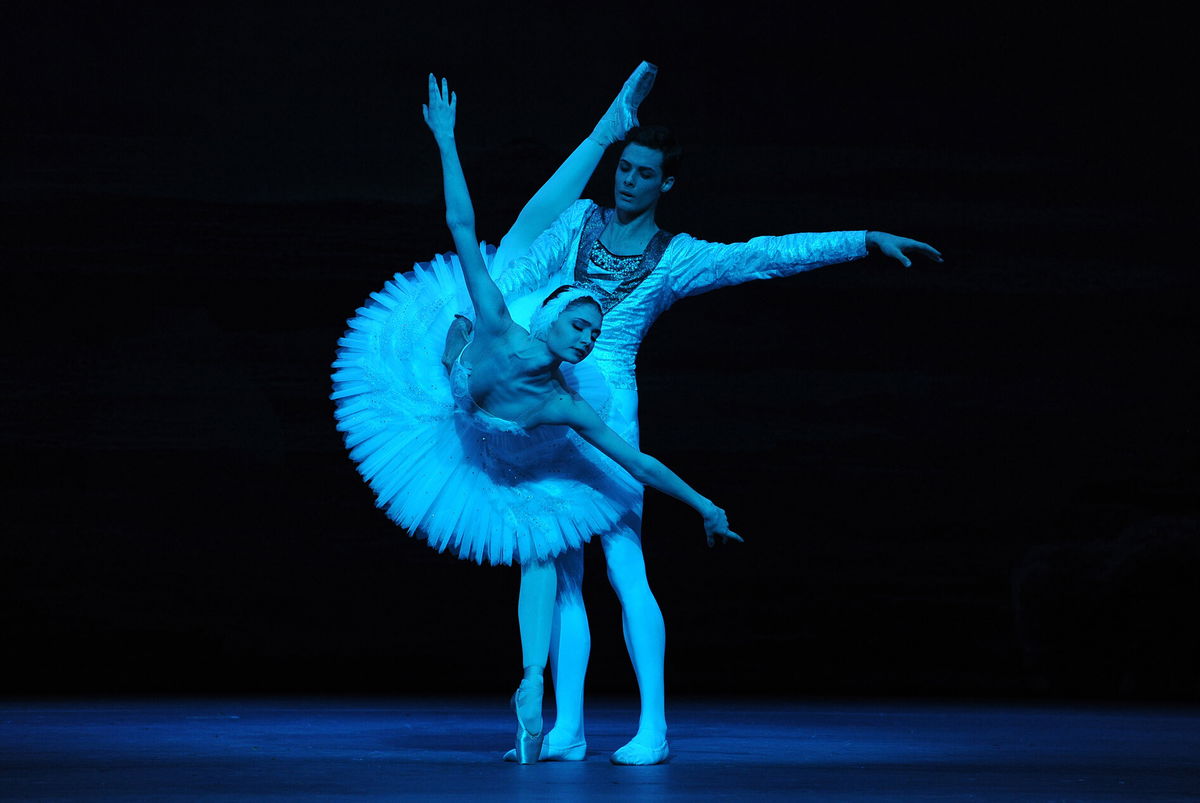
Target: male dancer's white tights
pixel 641 618
pixel 641 621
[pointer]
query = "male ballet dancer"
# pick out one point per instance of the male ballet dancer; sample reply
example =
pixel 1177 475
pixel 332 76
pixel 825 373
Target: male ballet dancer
pixel 638 271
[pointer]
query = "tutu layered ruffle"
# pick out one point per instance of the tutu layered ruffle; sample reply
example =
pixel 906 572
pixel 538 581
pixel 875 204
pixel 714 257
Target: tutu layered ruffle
pixel 476 486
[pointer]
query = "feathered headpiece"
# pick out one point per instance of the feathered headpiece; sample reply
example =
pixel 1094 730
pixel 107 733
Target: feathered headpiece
pixel 545 315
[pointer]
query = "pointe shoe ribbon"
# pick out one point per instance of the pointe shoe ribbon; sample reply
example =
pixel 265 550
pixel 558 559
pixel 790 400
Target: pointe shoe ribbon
pixel 622 114
pixel 553 752
pixel 634 754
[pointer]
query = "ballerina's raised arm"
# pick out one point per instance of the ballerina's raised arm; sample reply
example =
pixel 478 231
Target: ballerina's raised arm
pixel 491 313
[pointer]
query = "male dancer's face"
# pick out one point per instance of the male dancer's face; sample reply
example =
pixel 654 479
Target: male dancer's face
pixel 639 179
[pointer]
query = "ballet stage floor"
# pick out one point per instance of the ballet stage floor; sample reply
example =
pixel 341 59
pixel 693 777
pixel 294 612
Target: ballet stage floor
pixel 297 749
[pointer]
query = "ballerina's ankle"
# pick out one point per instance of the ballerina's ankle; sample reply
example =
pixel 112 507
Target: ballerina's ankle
pixel 621 115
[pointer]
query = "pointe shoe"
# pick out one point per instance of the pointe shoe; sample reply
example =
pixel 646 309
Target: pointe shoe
pixel 635 754
pixel 529 744
pixel 622 114
pixel 552 752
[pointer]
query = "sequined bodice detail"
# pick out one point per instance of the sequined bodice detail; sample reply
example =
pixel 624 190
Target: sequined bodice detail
pixel 608 270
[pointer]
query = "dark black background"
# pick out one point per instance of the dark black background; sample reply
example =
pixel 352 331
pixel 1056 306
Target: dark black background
pixel 976 478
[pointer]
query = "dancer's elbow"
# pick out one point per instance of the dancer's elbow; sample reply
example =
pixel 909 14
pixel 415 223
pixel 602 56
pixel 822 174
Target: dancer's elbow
pixel 460 222
pixel 643 468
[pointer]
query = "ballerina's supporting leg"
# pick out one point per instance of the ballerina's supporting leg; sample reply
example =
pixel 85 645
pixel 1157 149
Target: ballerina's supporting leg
pixel 570 646
pixel 535 611
pixel 569 636
pixel 535 614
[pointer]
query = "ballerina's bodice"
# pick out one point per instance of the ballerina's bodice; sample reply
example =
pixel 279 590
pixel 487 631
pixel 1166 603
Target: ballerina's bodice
pixel 460 388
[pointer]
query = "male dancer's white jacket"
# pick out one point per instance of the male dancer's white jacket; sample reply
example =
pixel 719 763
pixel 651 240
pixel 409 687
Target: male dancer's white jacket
pixel 672 267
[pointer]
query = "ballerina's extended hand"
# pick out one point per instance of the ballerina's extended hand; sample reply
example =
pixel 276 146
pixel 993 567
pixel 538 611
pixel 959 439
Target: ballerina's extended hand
pixel 440 111
pixel 716 525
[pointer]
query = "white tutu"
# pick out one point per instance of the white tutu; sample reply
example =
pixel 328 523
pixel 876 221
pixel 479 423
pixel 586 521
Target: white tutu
pixel 483 488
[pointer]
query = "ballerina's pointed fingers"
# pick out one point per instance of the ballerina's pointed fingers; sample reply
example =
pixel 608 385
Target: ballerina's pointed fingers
pixel 730 535
pixel 453 101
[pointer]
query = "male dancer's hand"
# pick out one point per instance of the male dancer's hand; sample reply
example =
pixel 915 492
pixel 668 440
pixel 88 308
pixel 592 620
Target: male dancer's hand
pixel 716 525
pixel 900 248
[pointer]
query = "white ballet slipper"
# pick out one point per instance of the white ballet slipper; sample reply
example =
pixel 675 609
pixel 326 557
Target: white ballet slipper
pixel 634 754
pixel 622 114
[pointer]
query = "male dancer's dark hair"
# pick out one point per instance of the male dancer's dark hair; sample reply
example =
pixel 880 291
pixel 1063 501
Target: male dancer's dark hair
pixel 660 138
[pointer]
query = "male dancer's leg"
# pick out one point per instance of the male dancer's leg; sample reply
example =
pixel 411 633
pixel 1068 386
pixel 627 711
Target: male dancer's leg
pixel 641 618
pixel 643 626
pixel 570 643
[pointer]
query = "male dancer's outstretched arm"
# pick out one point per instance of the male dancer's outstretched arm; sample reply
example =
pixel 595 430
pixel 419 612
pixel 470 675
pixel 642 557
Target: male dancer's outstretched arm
pixel 698 266
pixel 644 173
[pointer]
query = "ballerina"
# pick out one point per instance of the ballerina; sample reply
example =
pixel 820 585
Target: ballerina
pixel 503 459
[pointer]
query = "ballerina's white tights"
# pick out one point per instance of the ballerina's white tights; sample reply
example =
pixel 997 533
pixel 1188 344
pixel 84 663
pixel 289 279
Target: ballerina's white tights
pixel 535 614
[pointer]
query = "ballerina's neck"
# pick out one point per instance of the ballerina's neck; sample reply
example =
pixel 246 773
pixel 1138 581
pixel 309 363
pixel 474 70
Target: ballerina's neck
pixel 532 358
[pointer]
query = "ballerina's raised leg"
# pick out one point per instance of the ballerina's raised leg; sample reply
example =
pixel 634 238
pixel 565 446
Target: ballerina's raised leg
pixel 567 183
